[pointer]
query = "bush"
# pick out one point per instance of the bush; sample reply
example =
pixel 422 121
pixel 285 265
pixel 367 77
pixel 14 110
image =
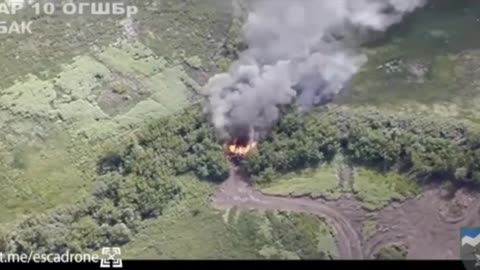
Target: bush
pixel 131 186
pixel 118 204
pixel 178 145
pixel 426 147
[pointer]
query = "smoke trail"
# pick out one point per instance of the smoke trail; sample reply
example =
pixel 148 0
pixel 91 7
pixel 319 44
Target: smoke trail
pixel 299 51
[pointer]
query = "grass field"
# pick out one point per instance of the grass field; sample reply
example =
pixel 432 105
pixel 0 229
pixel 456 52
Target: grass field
pixel 64 105
pixel 54 167
pixel 376 190
pixel 316 183
pixel 429 63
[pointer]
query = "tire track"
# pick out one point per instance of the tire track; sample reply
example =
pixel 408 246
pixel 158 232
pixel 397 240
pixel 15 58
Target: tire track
pixel 418 222
pixel 236 193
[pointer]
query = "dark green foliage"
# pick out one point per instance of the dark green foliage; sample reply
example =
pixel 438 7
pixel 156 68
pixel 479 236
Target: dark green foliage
pixel 419 145
pixel 248 230
pixel 298 142
pixel 132 197
pixel 179 145
pixel 281 232
pixel 131 187
pixel 109 163
pixel 118 205
pixel 298 233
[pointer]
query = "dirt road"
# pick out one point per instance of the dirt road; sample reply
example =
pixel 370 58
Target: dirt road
pixel 425 224
pixel 235 192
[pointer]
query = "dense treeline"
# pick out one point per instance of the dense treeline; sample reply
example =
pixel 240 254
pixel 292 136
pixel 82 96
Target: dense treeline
pixel 131 186
pixel 427 147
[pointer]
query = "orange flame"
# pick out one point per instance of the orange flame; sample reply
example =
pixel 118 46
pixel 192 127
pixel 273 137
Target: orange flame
pixel 240 150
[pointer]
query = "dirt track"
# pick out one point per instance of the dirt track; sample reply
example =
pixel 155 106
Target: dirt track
pixel 236 192
pixel 422 223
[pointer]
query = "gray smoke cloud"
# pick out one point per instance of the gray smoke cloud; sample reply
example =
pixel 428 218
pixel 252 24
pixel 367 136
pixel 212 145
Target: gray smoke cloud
pixel 299 51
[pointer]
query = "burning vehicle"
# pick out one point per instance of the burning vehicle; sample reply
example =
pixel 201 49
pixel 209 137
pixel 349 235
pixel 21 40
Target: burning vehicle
pixel 241 143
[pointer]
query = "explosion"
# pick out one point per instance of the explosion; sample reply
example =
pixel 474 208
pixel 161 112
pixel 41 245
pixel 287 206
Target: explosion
pixel 242 143
pixel 235 149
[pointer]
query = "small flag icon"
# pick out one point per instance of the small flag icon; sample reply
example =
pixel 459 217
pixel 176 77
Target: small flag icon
pixel 470 244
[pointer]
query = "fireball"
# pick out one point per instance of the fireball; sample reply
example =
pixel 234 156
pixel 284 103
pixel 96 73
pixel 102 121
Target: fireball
pixel 239 149
pixel 241 142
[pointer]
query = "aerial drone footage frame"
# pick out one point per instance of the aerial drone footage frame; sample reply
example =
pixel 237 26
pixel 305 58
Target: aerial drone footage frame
pixel 339 131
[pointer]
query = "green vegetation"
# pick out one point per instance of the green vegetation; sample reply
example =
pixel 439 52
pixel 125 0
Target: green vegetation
pixel 58 127
pixel 192 225
pixel 316 241
pixel 188 29
pixel 373 188
pixel 81 88
pixel 392 252
pixel 376 190
pixel 419 146
pixel 76 90
pixel 142 187
pixel 194 62
pixel 187 133
pixel 109 217
pixel 43 52
pixel 319 183
pixel 39 177
pixel 423 60
pixel 369 229
pixel 130 188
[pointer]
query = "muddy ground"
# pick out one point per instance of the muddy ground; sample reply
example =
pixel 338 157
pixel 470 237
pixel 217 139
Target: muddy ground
pixel 428 225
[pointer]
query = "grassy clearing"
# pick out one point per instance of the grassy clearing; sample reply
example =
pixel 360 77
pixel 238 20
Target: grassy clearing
pixel 192 230
pixel 40 178
pixel 376 86
pixel 369 229
pixel 376 190
pixel 29 98
pixel 158 88
pixel 316 183
pixel 79 79
pixel 131 58
pixel 70 98
pixel 326 240
pixel 45 174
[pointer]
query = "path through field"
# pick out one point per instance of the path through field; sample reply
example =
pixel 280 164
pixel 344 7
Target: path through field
pixel 422 223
